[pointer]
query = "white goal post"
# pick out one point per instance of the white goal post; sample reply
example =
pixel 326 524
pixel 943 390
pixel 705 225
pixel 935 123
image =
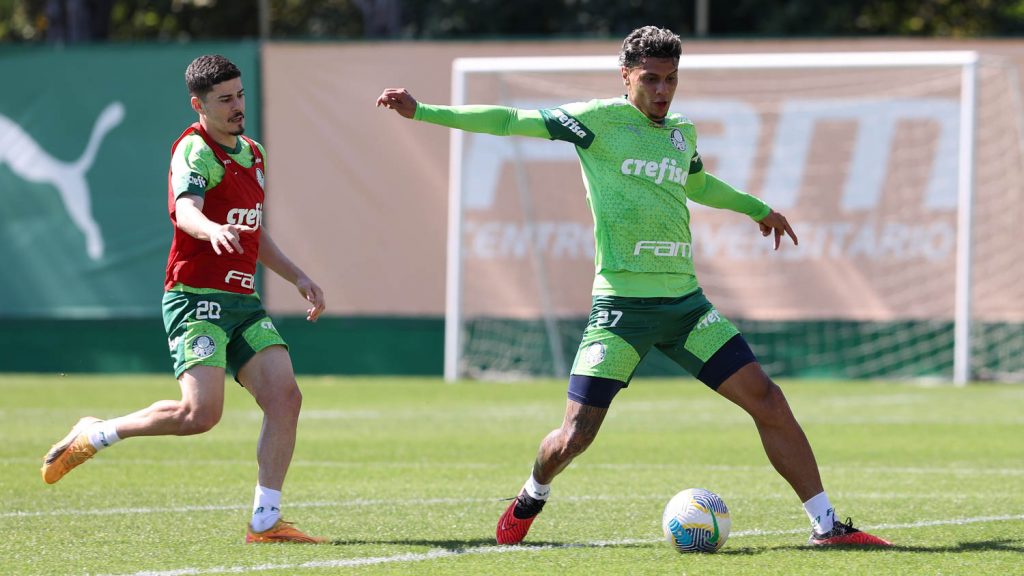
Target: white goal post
pixel 464 70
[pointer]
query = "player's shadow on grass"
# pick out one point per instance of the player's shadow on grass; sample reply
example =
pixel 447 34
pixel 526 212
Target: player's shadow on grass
pixel 461 546
pixel 986 546
pixel 465 545
pixel 452 545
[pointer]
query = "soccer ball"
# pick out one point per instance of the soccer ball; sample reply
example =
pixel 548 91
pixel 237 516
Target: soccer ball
pixel 696 520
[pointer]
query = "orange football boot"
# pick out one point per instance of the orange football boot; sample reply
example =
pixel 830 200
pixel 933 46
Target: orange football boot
pixel 281 531
pixel 71 451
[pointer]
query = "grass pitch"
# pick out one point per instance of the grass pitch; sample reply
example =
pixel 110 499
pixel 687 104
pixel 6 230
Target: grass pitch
pixel 406 476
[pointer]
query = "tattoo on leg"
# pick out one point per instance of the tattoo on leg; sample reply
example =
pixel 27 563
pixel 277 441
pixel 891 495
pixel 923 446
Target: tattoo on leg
pixel 577 432
pixel 585 426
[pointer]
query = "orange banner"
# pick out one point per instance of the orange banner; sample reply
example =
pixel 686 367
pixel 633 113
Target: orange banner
pixel 863 163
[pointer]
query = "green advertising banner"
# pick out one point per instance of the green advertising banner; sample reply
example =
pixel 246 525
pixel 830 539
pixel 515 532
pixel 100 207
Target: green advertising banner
pixel 85 137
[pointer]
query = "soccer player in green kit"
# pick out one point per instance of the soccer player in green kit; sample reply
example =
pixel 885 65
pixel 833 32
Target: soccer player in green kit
pixel 640 166
pixel 214 318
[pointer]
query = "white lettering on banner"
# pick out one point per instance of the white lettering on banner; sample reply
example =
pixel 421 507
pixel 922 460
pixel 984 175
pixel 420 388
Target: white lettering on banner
pixel 499 239
pixel 886 241
pixel 835 240
pixel 734 148
pixel 876 124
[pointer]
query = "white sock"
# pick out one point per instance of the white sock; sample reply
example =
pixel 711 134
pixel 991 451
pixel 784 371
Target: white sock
pixel 102 434
pixel 537 490
pixel 266 508
pixel 821 513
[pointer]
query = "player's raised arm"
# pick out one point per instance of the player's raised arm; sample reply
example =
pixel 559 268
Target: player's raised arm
pixel 484 119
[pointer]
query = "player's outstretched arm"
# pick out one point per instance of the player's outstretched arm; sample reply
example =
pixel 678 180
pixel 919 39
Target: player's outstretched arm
pixel 483 119
pixel 399 100
pixel 272 257
pixel 776 223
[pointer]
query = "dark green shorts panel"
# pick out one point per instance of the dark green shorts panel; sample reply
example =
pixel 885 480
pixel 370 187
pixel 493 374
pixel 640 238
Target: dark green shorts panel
pixel 257 335
pixel 711 332
pixel 621 331
pixel 215 328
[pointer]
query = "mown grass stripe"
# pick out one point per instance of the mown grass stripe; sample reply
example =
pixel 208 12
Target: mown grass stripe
pixel 435 554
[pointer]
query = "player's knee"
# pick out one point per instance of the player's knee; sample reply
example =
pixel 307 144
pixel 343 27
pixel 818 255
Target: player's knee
pixel 771 406
pixel 293 399
pixel 198 419
pixel 284 402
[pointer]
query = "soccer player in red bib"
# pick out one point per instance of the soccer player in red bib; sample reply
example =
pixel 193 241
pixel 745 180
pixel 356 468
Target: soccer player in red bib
pixel 214 318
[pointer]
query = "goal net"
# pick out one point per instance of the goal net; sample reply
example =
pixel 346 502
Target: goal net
pixel 900 172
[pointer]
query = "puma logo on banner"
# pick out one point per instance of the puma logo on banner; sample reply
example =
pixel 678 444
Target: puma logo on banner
pixel 28 160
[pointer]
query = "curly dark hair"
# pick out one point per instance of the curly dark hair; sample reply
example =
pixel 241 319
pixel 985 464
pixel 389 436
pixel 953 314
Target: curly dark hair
pixel 207 71
pixel 649 42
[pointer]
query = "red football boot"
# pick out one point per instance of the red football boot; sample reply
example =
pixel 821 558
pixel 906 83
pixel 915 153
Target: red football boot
pixel 844 534
pixel 516 521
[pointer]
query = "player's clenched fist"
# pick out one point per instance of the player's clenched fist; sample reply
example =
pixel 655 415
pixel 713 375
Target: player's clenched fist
pixel 399 100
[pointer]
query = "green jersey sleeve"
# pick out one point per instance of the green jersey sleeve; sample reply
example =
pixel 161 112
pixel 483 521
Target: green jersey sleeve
pixel 565 123
pixel 708 190
pixel 496 120
pixel 553 123
pixel 195 168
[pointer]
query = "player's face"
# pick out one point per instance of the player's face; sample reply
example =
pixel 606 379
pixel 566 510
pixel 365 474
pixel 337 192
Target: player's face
pixel 651 85
pixel 223 110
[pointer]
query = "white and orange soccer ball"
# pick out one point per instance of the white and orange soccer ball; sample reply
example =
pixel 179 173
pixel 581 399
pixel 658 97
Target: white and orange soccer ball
pixel 696 520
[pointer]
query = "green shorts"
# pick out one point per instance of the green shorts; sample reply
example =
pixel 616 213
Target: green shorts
pixel 207 327
pixel 621 331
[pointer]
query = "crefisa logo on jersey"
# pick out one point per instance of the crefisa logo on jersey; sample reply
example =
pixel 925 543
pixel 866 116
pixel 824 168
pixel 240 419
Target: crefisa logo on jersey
pixel 677 139
pixel 247 216
pixel 259 177
pixel 203 346
pixel 197 180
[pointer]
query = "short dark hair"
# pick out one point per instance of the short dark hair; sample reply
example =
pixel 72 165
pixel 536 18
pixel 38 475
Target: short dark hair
pixel 649 42
pixel 207 71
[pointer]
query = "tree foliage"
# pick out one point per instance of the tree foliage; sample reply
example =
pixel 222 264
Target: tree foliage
pixel 38 20
pixel 926 18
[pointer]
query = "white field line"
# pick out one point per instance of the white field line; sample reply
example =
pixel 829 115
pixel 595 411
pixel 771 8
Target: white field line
pixel 221 508
pixel 965 470
pixel 324 504
pixel 365 502
pixel 434 554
